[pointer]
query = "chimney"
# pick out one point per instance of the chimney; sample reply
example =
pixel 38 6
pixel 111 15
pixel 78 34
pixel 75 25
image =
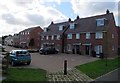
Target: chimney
pixel 52 22
pixel 107 12
pixel 78 17
pixel 69 19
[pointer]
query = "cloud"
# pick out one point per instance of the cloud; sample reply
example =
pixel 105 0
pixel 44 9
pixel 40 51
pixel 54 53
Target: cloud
pixel 21 14
pixel 90 8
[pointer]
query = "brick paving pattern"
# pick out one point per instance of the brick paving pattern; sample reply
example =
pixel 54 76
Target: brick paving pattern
pixel 73 75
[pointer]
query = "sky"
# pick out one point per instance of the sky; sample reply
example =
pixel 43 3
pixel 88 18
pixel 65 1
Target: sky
pixel 17 15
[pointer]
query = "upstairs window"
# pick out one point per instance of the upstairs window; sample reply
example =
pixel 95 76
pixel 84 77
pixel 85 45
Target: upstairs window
pixel 99 35
pixel 69 36
pixel 100 22
pixel 52 38
pixel 60 27
pixel 47 37
pixel 88 35
pixel 58 37
pixel 72 25
pixel 45 29
pixel 77 36
pixel 113 36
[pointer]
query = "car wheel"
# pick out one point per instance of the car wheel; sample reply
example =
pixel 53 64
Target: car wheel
pixel 28 63
pixel 12 63
pixel 45 53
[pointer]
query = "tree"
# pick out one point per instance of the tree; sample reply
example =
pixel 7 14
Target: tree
pixel 32 42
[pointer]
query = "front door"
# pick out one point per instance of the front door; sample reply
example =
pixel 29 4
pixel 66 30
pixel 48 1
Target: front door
pixel 77 49
pixel 87 48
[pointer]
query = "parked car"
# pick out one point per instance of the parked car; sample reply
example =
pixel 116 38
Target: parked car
pixel 48 50
pixel 19 56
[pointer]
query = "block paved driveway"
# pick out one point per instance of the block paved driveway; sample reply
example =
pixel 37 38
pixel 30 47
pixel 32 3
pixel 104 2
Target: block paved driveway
pixel 54 63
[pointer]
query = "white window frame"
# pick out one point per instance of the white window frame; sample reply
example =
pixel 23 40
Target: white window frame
pixel 69 36
pixel 113 36
pixel 99 35
pixel 72 25
pixel 60 27
pixel 98 49
pixel 69 47
pixel 77 35
pixel 52 37
pixel 88 35
pixel 47 37
pixel 58 37
pixel 100 22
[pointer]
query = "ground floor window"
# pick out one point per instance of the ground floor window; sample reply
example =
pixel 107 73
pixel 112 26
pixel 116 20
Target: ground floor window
pixel 98 49
pixel 69 47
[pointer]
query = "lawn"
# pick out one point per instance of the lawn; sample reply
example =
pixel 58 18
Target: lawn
pixel 99 67
pixel 25 74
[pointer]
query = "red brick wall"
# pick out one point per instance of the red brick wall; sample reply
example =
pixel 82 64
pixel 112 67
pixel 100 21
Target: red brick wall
pixel 35 34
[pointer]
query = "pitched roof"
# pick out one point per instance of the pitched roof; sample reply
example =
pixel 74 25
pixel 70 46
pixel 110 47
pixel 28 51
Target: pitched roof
pixel 89 24
pixel 53 29
pixel 30 29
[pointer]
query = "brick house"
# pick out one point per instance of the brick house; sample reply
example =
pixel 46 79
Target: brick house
pixel 96 33
pixel 118 29
pixel 53 35
pixel 16 40
pixel 30 35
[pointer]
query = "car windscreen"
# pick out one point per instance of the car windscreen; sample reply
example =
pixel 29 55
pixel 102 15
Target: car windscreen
pixel 22 53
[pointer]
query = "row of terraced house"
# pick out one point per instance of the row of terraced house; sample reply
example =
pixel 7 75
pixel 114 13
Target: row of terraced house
pixel 81 36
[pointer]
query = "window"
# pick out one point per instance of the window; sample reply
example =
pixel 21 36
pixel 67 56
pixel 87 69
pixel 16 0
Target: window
pixel 46 37
pixel 112 35
pixel 45 29
pixel 69 36
pixel 77 36
pixel 98 49
pixel 58 37
pixel 61 28
pixel 42 37
pixel 69 47
pixel 113 48
pixel 100 22
pixel 28 33
pixel 99 35
pixel 52 38
pixel 72 25
pixel 88 35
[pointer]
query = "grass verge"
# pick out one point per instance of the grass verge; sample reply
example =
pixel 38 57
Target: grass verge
pixel 25 74
pixel 99 67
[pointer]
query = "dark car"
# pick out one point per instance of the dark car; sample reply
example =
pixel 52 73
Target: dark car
pixel 19 56
pixel 48 50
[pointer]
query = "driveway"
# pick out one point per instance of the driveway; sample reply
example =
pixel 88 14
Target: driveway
pixel 54 62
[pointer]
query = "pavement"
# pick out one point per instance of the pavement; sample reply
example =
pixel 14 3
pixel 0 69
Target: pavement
pixel 111 76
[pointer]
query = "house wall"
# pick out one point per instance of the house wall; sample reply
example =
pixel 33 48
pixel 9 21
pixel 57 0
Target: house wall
pixel 35 34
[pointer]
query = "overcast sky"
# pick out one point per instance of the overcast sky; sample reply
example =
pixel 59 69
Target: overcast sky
pixel 17 15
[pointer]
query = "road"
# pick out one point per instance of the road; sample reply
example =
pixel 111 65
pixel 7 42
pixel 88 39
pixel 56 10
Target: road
pixel 54 62
pixel 112 76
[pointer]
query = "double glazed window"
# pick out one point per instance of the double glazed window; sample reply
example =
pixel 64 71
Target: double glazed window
pixel 88 35
pixel 100 22
pixel 60 27
pixel 72 25
pixel 77 36
pixel 99 35
pixel 98 49
pixel 69 36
